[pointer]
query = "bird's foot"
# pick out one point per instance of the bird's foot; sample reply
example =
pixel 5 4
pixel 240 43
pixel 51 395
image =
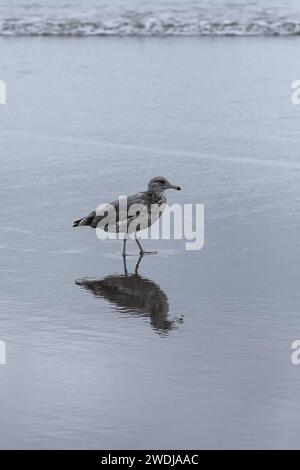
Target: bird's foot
pixel 142 253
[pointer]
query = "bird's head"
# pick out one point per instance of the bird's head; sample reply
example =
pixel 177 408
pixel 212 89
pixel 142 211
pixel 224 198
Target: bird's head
pixel 158 184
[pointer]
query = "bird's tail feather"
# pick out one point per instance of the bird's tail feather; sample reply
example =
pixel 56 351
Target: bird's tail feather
pixel 77 222
pixel 88 220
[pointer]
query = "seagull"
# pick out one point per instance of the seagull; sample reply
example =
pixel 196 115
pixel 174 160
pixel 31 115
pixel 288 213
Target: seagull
pixel 152 199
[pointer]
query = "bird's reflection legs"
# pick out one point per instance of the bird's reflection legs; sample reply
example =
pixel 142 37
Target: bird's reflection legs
pixel 142 251
pixel 124 247
pixel 138 264
pixel 125 265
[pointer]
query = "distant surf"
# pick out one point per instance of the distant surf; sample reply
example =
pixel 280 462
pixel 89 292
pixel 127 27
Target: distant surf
pixel 146 24
pixel 149 18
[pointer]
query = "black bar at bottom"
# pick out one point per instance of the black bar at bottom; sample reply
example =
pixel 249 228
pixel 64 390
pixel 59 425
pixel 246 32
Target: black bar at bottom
pixel 140 458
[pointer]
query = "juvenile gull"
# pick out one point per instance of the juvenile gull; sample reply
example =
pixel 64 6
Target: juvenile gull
pixel 153 197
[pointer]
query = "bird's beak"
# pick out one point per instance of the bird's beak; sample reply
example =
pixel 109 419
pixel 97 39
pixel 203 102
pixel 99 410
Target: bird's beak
pixel 173 186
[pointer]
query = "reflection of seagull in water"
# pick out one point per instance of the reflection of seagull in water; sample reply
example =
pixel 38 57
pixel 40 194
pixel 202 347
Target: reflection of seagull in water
pixel 154 196
pixel 136 295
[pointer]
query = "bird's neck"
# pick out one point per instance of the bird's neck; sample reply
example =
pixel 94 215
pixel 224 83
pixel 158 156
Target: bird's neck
pixel 157 197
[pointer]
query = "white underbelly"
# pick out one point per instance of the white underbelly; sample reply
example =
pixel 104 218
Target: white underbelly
pixel 129 223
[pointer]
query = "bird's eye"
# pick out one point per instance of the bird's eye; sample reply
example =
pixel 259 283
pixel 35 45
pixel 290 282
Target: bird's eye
pixel 160 181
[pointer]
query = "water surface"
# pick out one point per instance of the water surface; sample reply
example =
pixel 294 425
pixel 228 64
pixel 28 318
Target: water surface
pixel 202 358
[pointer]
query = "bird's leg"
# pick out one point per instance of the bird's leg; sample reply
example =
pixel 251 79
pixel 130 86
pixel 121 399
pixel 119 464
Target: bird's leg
pixel 138 264
pixel 140 247
pixel 124 253
pixel 142 251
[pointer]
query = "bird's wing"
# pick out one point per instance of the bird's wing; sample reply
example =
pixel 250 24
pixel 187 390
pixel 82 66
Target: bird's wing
pixel 138 205
pixel 127 211
pixel 118 211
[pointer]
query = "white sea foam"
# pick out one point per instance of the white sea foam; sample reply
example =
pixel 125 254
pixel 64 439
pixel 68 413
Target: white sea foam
pixel 146 25
pixel 145 18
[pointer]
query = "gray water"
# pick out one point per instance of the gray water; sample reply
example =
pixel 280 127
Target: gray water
pixel 199 354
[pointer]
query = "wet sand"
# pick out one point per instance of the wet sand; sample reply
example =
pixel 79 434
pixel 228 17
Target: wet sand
pixel 198 354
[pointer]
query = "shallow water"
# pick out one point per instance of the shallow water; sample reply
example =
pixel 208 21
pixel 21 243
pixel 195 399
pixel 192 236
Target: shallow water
pixel 203 359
